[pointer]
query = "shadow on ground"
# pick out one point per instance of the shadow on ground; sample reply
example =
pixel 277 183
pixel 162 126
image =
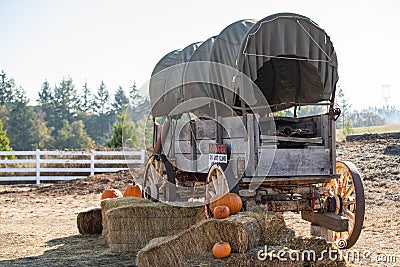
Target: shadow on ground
pixel 77 250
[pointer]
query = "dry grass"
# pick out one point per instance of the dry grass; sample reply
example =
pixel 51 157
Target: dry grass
pixel 369 130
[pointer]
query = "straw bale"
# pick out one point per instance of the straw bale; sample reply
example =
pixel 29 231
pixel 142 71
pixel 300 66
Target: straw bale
pixel 293 255
pixel 250 259
pixel 111 203
pixel 131 227
pixel 243 231
pixel 90 222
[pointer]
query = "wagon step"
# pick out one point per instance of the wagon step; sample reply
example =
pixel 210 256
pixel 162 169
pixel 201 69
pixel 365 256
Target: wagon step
pixel 328 220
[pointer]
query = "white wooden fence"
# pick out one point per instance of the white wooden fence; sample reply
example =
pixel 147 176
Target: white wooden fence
pixel 39 165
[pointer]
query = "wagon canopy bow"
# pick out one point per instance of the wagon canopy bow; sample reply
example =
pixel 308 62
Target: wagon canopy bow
pixel 288 56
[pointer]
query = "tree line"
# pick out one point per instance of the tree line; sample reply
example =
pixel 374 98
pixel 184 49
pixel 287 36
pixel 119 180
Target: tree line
pixel 67 117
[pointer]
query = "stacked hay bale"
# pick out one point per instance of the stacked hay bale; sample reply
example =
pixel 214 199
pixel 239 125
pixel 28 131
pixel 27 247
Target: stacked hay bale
pixel 248 233
pixel 131 224
pixel 112 203
pixel 243 231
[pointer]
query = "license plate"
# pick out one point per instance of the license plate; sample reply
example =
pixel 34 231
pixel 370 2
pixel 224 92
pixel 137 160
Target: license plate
pixel 217 149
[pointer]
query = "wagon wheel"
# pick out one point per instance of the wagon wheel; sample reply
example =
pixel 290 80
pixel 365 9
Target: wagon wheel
pixel 220 181
pixel 159 181
pixel 153 178
pixel 350 191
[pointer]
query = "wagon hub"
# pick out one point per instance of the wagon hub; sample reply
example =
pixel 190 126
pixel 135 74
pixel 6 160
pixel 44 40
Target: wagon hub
pixel 333 204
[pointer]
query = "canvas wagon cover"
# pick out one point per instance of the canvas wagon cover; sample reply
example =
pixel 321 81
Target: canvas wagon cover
pixel 291 59
pixel 288 56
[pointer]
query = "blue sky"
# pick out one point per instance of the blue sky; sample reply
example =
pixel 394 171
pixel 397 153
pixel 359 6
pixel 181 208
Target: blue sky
pixel 120 41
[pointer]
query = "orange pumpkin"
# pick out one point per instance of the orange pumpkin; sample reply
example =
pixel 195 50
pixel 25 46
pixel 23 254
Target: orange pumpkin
pixel 221 212
pixel 221 250
pixel 133 191
pixel 231 200
pixel 111 193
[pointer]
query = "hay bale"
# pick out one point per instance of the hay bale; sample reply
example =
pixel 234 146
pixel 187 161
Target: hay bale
pixel 250 259
pixel 293 256
pixel 111 203
pixel 90 222
pixel 131 227
pixel 243 231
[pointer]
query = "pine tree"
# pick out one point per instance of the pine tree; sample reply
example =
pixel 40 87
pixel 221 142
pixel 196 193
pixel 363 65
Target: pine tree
pixel 134 96
pixel 86 101
pixel 46 96
pixel 344 105
pixel 124 132
pixel 101 100
pixel 7 86
pixel 121 101
pixel 21 126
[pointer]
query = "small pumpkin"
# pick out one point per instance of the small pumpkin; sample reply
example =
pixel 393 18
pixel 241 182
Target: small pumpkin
pixel 111 193
pixel 221 212
pixel 133 191
pixel 221 250
pixel 231 200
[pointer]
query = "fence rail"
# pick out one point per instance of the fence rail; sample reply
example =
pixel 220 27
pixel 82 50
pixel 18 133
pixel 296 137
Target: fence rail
pixel 53 165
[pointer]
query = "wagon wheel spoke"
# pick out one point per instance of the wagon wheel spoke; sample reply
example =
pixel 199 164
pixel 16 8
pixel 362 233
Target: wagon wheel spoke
pixel 349 214
pixel 349 191
pixel 216 182
pixel 348 203
pixel 349 188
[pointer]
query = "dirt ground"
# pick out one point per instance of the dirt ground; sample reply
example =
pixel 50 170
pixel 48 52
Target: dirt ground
pixel 38 222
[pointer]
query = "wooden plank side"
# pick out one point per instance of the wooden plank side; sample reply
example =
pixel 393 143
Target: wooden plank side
pixel 294 162
pixel 328 220
pixel 236 146
pixel 207 129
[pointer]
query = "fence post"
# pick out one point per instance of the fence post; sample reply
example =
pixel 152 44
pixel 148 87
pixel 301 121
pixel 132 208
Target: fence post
pixel 37 166
pixel 91 162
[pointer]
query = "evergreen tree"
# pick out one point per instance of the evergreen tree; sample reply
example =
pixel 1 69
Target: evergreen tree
pixel 86 101
pixel 124 133
pixel 46 96
pixel 65 99
pixel 21 126
pixel 121 101
pixel 344 105
pixel 7 86
pixel 134 96
pixel 101 100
